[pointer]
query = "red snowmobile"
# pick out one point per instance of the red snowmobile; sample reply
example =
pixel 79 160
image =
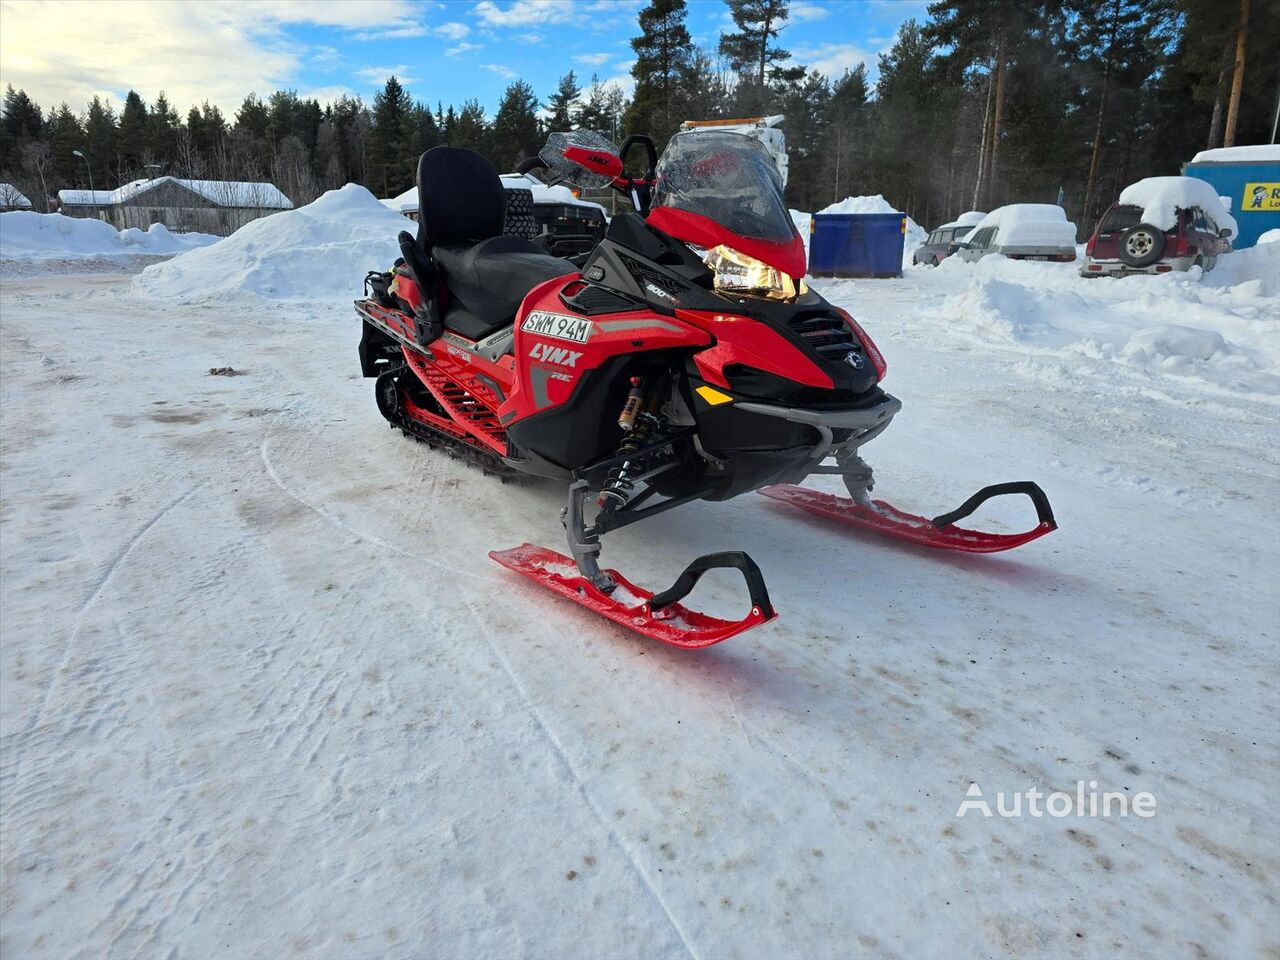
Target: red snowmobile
pixel 684 359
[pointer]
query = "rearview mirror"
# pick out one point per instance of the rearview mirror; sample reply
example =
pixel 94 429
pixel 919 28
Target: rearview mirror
pixel 1224 232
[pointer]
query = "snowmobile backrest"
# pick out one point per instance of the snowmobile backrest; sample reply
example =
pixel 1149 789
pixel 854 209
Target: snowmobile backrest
pixel 460 197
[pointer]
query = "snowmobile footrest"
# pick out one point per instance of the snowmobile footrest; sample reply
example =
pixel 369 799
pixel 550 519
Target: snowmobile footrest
pixel 661 617
pixel 940 532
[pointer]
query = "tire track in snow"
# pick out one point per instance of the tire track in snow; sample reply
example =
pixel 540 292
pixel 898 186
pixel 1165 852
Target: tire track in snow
pixel 29 733
pixel 627 850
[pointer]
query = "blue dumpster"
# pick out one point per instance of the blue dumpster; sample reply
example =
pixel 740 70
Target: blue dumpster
pixel 1253 185
pixel 856 244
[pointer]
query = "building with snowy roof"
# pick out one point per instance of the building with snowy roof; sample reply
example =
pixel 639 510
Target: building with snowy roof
pixel 206 206
pixel 11 198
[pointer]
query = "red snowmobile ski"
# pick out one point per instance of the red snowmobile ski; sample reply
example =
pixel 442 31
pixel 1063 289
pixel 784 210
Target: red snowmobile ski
pixel 682 358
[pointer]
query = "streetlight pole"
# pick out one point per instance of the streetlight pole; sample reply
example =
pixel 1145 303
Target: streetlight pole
pixel 92 192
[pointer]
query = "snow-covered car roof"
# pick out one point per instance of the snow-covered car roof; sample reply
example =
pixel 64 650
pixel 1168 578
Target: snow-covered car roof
pixel 408 201
pixel 967 219
pixel 1254 153
pixel 226 193
pixel 1029 225
pixel 1161 197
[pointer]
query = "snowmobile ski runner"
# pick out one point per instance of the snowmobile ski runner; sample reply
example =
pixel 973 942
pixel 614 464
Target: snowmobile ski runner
pixel 682 358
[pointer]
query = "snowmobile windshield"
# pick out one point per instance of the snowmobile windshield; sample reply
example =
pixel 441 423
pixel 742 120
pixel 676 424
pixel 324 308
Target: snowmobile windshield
pixel 728 178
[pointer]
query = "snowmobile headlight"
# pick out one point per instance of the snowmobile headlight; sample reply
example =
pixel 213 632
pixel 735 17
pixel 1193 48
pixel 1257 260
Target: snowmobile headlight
pixel 735 272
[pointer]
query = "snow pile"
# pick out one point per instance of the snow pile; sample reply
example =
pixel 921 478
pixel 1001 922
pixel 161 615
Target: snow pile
pixel 804 225
pixel 1270 236
pixel 52 236
pixel 319 251
pixel 915 236
pixel 1220 327
pixel 1161 198
pixel 1029 225
pixel 1255 153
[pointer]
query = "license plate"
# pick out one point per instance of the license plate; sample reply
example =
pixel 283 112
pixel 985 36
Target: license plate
pixel 1037 257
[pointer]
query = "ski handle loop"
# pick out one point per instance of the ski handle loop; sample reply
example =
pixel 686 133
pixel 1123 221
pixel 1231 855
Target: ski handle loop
pixel 730 560
pixel 1044 512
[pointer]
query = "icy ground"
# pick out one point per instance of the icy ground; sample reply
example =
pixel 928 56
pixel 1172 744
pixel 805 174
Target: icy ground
pixel 264 694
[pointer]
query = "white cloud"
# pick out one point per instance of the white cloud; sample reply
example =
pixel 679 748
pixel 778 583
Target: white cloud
pixel 395 32
pixel 500 69
pixel 327 94
pixel 523 13
pixel 462 48
pixel 379 74
pixel 452 31
pixel 833 59
pixel 623 78
pixel 593 59
pixel 216 50
pixel 804 10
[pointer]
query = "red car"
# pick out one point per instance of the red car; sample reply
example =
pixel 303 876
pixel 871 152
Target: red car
pixel 1123 244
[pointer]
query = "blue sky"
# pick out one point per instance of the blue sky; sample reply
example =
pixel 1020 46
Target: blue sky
pixel 442 49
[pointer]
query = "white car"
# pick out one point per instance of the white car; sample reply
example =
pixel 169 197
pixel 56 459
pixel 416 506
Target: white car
pixel 1022 231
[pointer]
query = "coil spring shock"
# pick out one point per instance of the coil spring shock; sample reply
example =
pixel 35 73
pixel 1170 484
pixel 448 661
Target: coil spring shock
pixel 638 420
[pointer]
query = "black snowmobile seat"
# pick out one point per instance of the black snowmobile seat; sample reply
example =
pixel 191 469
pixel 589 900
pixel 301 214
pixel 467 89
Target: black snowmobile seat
pixel 461 210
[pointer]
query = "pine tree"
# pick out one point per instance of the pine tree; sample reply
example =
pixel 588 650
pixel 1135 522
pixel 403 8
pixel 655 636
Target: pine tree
pixel 100 140
pixel 162 133
pixel 804 103
pixel 388 140
pixel 515 134
pixel 254 118
pixel 423 134
pixel 66 135
pixel 562 104
pixel 21 124
pixel 593 113
pixel 844 139
pixel 664 58
pixel 132 137
pixel 751 50
pixel 471 128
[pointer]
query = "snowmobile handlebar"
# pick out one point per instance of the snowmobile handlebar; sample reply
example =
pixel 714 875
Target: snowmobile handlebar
pixel 729 560
pixel 1044 512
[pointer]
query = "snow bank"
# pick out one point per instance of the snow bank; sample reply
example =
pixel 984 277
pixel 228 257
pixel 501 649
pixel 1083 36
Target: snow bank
pixel 1029 225
pixel 915 236
pixel 1270 236
pixel 52 236
pixel 1256 153
pixel 319 251
pixel 1161 198
pixel 1220 327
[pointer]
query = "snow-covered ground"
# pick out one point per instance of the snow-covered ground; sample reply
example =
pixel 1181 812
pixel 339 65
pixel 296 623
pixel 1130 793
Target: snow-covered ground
pixel 263 692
